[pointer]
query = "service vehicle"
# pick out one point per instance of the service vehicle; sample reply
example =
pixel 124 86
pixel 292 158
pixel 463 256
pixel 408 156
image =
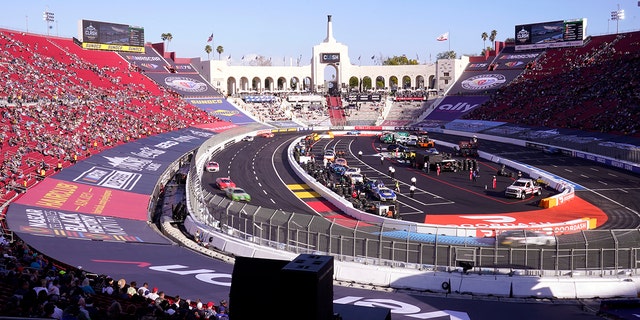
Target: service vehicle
pixel 237 194
pixel 412 141
pixel 383 209
pixel 394 137
pixel 451 165
pixel 212 166
pixel 247 138
pixel 514 238
pixel 425 142
pixel 468 148
pixel 522 188
pixel 429 159
pixel 224 183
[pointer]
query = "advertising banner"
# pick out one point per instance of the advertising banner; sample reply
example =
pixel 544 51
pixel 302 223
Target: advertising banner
pixel 75 197
pixel 453 107
pixel 48 223
pixel 149 61
pixel 474 83
pixel 185 84
pixel 222 109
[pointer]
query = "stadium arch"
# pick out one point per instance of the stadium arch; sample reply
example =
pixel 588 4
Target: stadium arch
pixel 327 54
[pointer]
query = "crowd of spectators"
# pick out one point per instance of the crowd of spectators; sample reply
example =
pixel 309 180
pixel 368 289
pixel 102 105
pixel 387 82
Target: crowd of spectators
pixel 591 88
pixel 32 286
pixel 57 107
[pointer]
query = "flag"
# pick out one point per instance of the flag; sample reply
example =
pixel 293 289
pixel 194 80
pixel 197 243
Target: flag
pixel 210 38
pixel 443 37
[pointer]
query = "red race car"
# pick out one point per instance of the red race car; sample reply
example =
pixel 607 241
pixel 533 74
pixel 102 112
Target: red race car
pixel 224 182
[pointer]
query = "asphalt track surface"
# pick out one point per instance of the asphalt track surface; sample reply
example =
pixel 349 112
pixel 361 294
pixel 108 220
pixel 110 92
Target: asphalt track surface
pixel 605 191
pixel 260 167
pixel 610 195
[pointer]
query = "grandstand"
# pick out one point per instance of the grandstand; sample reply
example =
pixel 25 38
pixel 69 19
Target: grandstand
pixel 593 88
pixel 62 104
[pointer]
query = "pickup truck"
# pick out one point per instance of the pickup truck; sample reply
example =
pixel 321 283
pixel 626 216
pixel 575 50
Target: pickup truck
pixel 522 188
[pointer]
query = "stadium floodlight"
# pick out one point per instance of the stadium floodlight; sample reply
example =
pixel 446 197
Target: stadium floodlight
pixel 617 16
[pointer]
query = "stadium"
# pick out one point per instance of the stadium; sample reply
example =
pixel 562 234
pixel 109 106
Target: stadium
pixel 105 146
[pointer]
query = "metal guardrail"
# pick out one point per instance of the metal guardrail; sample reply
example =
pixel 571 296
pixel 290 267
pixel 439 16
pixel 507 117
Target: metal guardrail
pixel 301 233
pixel 382 245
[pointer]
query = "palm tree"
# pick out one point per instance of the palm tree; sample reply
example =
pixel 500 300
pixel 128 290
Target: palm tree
pixel 219 50
pixel 492 38
pixel 166 37
pixel 484 37
pixel 208 50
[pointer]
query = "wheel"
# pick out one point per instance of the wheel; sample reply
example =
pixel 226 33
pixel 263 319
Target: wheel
pixel 521 195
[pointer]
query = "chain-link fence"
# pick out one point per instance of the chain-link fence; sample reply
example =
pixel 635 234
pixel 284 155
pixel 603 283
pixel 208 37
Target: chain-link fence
pixel 588 253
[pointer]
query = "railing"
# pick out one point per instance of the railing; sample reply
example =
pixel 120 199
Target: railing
pixel 582 255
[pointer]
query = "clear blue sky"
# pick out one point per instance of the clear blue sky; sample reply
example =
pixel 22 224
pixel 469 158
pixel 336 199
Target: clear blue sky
pixel 287 29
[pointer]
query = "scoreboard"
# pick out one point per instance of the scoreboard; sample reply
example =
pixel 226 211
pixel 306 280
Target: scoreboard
pixel 553 34
pixel 110 36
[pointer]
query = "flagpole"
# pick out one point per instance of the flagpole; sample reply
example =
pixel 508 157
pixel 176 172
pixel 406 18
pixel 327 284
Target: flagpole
pixel 449 39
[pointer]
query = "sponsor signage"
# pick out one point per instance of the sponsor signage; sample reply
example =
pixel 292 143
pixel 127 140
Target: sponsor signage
pixel 147 60
pixel 552 34
pixel 111 47
pixel 330 57
pixel 185 84
pixel 111 36
pixel 57 194
pixel 474 83
pixel 64 224
pixel 453 107
pixel 364 97
pixel 608 161
pixel 222 109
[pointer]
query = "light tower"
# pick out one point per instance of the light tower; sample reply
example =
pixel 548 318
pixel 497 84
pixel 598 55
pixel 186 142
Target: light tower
pixel 617 16
pixel 48 17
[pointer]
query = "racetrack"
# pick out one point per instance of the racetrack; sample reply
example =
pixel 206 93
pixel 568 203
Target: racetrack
pixel 606 194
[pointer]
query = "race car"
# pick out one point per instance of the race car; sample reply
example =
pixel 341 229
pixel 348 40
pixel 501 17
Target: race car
pixel 329 155
pixel 378 191
pixel 224 183
pixel 355 178
pixel 212 166
pixel 337 168
pixel 341 161
pixel 267 135
pixel 351 170
pixel 247 138
pixel 384 194
pixel 237 194
pixel 515 238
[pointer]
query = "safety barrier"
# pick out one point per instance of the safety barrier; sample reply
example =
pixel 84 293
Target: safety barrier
pixel 246 230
